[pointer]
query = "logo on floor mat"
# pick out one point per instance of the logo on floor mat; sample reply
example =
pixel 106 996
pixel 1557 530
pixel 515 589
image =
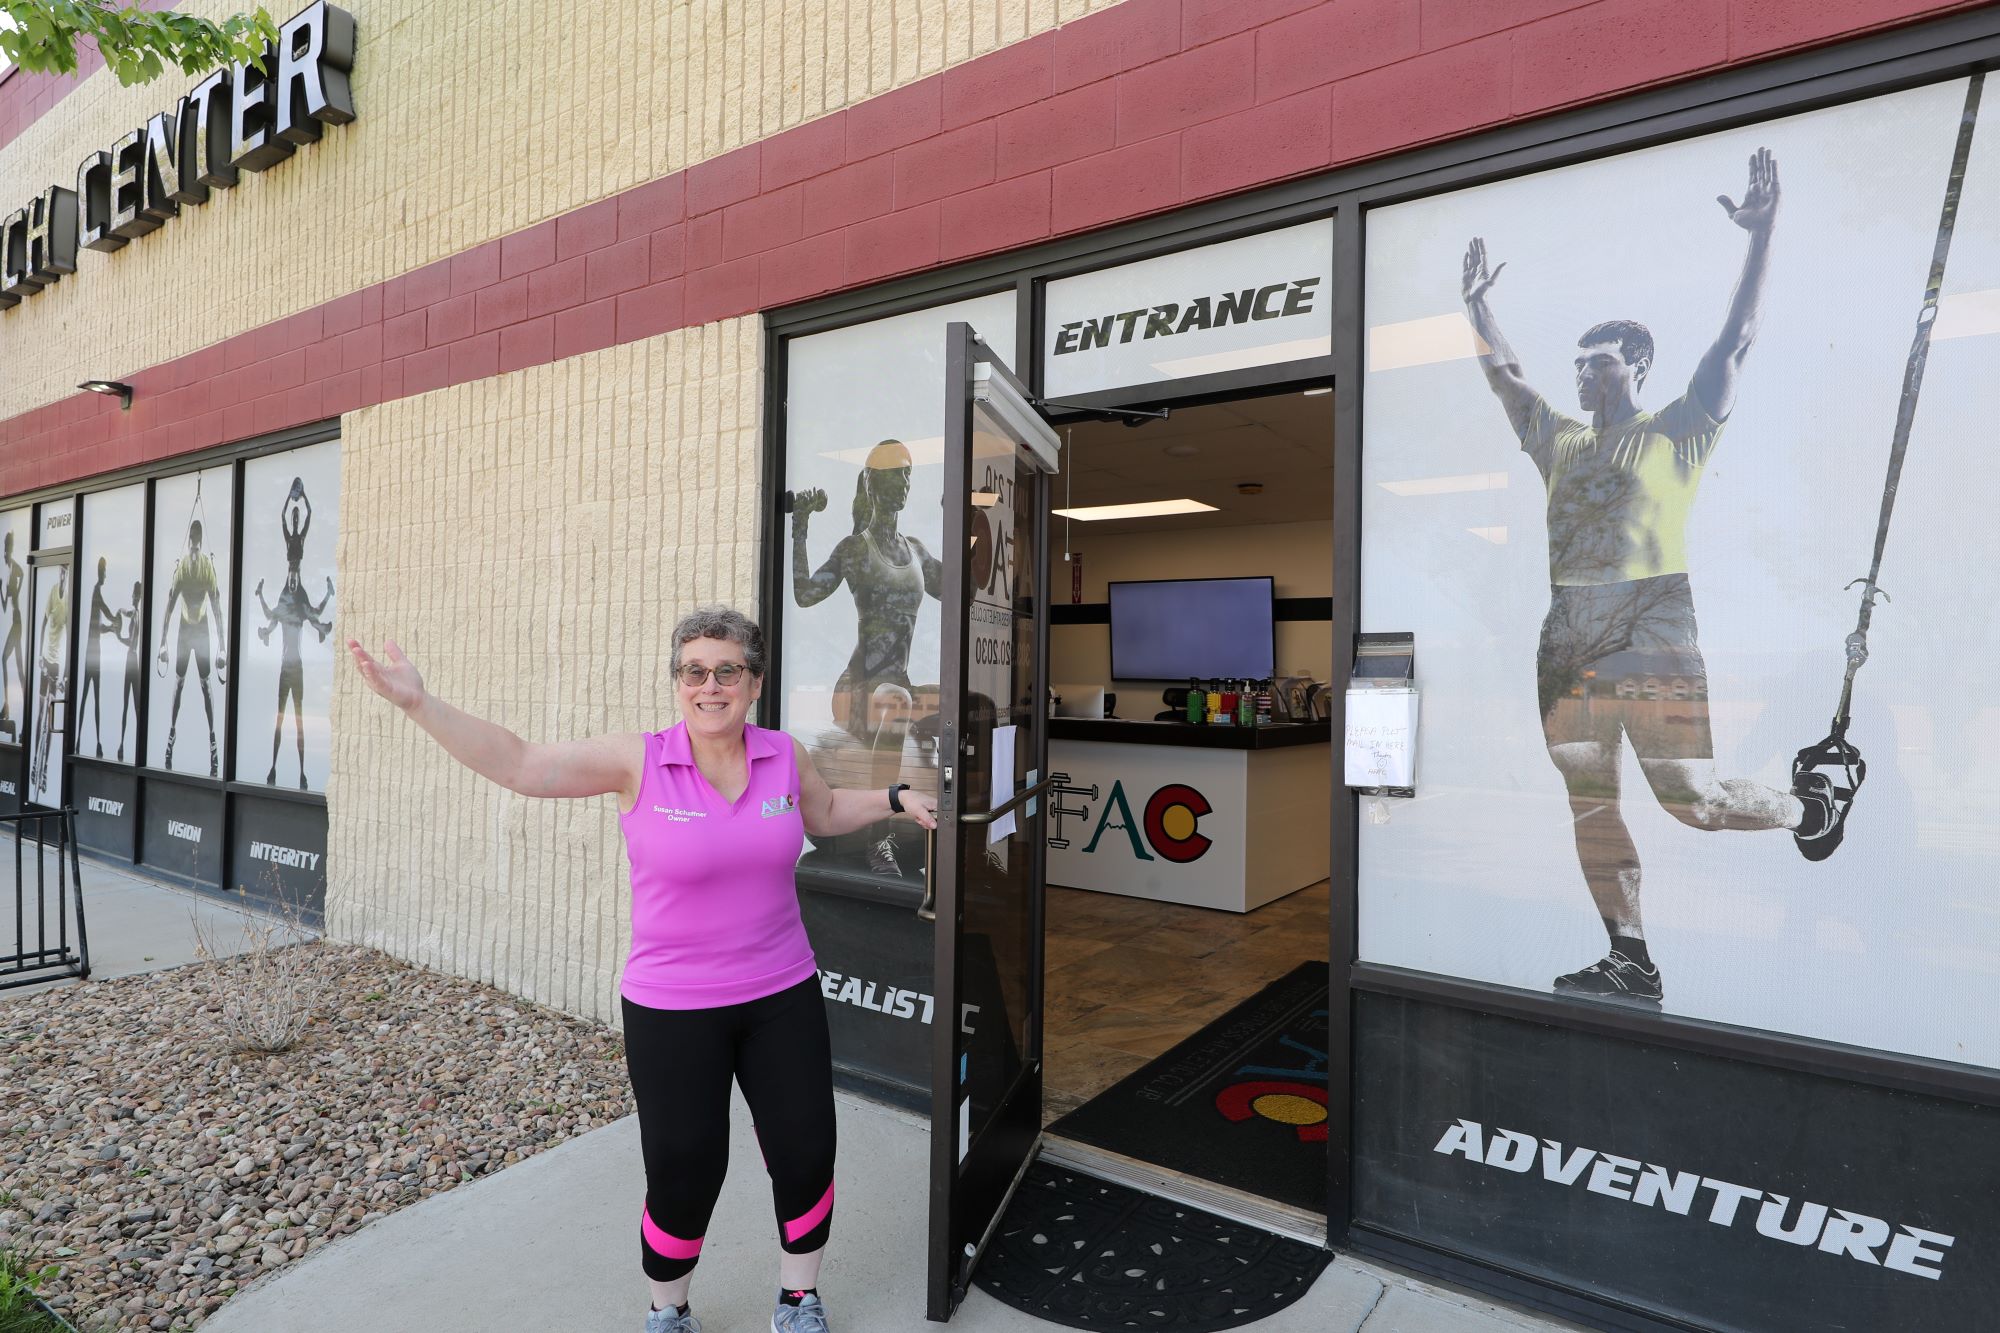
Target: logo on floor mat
pixel 1290 1094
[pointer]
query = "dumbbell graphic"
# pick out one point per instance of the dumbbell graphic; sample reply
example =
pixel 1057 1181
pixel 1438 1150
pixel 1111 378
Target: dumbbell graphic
pixel 1062 788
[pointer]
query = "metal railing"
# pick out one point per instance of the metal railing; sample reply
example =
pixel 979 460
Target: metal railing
pixel 35 957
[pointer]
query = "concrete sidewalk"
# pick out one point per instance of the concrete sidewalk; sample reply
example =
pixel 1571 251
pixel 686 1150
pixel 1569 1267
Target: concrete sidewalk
pixel 136 924
pixel 551 1245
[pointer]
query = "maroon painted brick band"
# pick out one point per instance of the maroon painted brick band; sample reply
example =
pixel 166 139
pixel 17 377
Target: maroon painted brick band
pixel 1137 109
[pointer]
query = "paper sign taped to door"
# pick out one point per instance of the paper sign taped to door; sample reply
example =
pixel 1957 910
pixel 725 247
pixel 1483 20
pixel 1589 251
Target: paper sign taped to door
pixel 1381 738
pixel 1003 783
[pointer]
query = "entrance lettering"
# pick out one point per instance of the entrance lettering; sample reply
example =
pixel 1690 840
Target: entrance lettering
pixel 1277 300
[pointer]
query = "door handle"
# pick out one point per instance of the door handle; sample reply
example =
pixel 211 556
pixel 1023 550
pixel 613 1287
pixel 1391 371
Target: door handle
pixel 988 816
pixel 927 909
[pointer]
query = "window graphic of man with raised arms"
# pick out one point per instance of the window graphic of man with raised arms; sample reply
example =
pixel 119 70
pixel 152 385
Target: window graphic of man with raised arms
pixel 194 588
pixel 1620 488
pixel 293 613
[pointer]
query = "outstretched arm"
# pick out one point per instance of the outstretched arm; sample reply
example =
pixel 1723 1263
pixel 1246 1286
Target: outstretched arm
pixel 1502 368
pixel 1715 377
pixel 830 811
pixel 593 767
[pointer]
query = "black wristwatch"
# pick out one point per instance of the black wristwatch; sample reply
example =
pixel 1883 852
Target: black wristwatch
pixel 895 797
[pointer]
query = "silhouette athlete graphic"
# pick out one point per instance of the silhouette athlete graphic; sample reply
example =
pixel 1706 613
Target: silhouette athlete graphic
pixel 293 612
pixel 888 574
pixel 102 620
pixel 49 688
pixel 1619 491
pixel 195 590
pixel 14 657
pixel 127 632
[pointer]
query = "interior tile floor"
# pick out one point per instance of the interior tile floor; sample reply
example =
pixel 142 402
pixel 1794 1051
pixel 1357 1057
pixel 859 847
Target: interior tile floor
pixel 1126 978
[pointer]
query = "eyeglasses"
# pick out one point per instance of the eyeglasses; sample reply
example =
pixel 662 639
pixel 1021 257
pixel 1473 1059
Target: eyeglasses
pixel 693 674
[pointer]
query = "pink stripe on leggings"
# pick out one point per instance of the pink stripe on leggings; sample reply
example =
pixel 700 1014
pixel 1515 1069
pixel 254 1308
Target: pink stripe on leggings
pixel 799 1226
pixel 670 1247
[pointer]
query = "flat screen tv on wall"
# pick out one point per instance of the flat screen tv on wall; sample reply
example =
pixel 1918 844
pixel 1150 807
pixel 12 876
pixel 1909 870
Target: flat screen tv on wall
pixel 1171 629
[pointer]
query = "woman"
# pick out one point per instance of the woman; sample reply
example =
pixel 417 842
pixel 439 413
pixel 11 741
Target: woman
pixel 721 980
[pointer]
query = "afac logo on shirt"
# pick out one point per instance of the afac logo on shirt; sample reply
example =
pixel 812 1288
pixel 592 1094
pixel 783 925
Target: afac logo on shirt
pixel 780 805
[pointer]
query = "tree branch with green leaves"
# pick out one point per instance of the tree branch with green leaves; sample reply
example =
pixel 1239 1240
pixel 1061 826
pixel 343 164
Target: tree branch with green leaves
pixel 42 35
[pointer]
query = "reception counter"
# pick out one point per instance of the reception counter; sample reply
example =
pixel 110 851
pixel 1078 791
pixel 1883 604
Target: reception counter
pixel 1223 817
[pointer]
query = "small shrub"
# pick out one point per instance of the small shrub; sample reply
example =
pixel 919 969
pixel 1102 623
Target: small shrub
pixel 275 986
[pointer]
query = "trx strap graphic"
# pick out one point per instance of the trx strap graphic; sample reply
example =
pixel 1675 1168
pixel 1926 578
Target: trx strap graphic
pixel 1826 774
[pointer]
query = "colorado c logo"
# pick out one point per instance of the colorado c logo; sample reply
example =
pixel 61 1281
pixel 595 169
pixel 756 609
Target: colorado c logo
pixel 1294 1104
pixel 1170 822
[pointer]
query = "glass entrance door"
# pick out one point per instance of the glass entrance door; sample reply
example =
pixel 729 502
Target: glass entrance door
pixel 987 864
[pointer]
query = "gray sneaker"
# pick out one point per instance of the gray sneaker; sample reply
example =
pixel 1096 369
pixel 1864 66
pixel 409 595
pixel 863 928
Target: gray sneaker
pixel 671 1321
pixel 808 1316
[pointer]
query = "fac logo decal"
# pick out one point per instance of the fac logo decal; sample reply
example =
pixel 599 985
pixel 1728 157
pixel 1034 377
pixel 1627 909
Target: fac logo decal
pixel 1169 825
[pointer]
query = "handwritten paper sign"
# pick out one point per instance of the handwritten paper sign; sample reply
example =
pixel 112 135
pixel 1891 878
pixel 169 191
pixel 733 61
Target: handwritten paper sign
pixel 1381 738
pixel 1003 784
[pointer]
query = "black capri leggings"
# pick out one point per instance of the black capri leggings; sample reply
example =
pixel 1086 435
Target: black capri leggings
pixel 681 1062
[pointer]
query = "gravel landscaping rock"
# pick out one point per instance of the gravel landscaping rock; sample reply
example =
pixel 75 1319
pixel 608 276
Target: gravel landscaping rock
pixel 163 1172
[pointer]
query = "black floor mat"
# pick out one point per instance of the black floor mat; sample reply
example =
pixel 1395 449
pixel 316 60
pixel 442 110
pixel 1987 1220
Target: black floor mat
pixel 1242 1102
pixel 1089 1254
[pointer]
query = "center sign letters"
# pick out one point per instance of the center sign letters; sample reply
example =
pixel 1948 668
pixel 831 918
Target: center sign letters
pixel 237 119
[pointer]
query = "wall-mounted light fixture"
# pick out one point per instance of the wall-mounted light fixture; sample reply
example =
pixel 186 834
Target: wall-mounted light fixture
pixel 111 388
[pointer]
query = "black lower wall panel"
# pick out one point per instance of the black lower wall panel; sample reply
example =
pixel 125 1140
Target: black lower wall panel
pixel 1731 1195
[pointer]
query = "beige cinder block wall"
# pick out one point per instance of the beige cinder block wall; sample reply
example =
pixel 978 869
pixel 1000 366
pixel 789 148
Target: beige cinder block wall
pixel 530 541
pixel 475 119
pixel 528 537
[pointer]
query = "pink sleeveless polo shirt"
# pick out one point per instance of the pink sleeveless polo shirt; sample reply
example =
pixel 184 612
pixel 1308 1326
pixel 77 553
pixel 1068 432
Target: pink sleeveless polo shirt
pixel 715 907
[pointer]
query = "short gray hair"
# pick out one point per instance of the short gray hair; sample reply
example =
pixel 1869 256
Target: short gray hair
pixel 725 623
